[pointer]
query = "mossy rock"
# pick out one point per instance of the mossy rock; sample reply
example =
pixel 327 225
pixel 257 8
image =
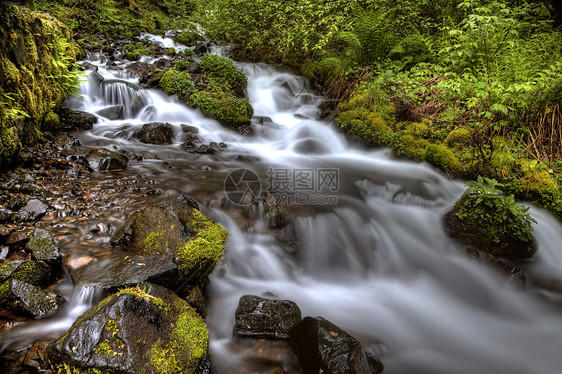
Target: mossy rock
pixel 491 221
pixel 36 273
pixel 176 226
pixel 175 82
pixel 28 300
pixel 223 70
pixel 228 109
pixel 444 158
pixel 141 330
pixel 43 247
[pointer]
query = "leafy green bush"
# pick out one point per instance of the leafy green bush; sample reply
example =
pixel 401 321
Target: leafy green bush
pixel 496 219
pixel 223 70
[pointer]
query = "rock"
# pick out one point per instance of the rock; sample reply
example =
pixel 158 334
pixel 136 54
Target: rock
pixel 156 133
pixel 205 150
pixel 26 299
pixel 6 215
pixel 17 240
pixel 124 270
pixel 113 113
pixel 36 273
pixel 149 156
pixel 145 329
pixel 76 120
pixel 511 247
pixel 259 317
pixel 201 48
pixel 43 247
pixel 190 129
pixel 311 147
pixel 322 347
pixel 175 225
pixel 34 210
pixel 511 273
pixel 104 160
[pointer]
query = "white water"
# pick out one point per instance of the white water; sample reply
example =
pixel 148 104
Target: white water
pixel 378 263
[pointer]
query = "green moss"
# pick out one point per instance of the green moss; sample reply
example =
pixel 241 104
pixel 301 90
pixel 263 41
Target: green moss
pixel 132 56
pixel 459 137
pixel 201 253
pixel 151 242
pixel 51 122
pixel 444 158
pixel 225 108
pixel 188 38
pixel 188 334
pixel 140 292
pixel 223 70
pixel 174 82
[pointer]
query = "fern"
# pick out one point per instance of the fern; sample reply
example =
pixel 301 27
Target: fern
pixel 372 34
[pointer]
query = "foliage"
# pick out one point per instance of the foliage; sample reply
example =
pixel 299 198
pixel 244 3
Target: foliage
pixel 174 82
pixel 223 69
pixel 494 215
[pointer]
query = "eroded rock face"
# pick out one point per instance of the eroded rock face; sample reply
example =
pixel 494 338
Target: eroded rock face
pixel 145 329
pixel 259 317
pixel 322 347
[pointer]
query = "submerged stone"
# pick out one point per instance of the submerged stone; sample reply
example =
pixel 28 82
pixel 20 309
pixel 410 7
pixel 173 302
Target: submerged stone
pixel 322 347
pixel 145 329
pixel 259 317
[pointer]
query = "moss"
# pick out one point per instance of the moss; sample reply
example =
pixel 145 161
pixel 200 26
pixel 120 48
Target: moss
pixel 201 253
pixel 174 82
pixel 225 108
pixel 189 333
pixel 458 138
pixel 171 51
pixel 223 69
pixel 51 122
pixel 188 38
pixel 132 56
pixel 444 158
pixel 152 243
pixel 409 147
pixel 141 293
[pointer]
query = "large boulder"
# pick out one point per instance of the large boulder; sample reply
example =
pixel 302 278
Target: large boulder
pixel 263 318
pixel 176 226
pixel 105 160
pixel 26 299
pixel 145 329
pixel 156 133
pixel 322 347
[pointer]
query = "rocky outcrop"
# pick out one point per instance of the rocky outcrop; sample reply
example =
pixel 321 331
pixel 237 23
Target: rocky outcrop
pixel 36 53
pixel 144 329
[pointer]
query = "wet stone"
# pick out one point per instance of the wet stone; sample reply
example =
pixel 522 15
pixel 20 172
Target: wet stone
pixel 322 347
pixel 113 113
pixel 75 119
pixel 156 133
pixel 36 273
pixel 26 299
pixel 259 317
pixel 34 210
pixel 6 215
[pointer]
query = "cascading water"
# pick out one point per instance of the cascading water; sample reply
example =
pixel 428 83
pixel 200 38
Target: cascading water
pixel 375 260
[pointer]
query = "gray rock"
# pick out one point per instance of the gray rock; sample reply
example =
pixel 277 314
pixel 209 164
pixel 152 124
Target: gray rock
pixel 322 347
pixel 33 210
pixel 259 317
pixel 113 113
pixel 36 273
pixel 26 299
pixel 156 133
pixel 43 247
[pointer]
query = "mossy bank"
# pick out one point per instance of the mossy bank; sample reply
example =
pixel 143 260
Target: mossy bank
pixel 36 75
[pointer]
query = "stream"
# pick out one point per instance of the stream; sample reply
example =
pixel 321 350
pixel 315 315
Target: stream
pixel 366 250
